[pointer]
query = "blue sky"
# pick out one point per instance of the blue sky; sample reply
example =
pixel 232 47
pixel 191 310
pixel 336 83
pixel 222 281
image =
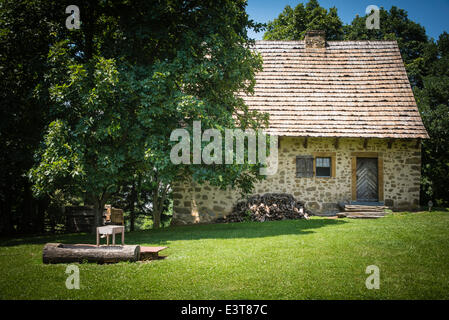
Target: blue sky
pixel 432 14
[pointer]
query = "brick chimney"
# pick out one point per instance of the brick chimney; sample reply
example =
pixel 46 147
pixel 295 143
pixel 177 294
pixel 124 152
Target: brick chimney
pixel 315 39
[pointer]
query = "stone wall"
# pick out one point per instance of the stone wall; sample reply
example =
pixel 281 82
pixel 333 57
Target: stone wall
pixel 195 203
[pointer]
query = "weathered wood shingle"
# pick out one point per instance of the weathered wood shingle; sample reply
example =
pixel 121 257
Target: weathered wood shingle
pixel 348 89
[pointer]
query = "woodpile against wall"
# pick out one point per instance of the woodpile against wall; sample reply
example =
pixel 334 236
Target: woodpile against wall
pixel 268 207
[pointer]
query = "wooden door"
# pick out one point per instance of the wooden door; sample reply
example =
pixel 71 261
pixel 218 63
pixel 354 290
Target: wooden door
pixel 367 180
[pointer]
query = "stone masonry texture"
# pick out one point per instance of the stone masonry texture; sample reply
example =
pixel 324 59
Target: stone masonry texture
pixel 195 203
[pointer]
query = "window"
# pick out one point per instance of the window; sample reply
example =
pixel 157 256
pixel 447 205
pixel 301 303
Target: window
pixel 319 164
pixel 304 166
pixel 323 167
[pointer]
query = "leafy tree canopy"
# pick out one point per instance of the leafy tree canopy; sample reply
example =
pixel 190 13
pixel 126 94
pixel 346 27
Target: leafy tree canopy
pixel 433 103
pixel 292 24
pixel 27 29
pixel 135 72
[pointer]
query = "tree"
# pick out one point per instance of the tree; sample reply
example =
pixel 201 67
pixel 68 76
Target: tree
pixel 151 67
pixel 433 103
pixel 292 24
pixel 27 29
pixel 136 199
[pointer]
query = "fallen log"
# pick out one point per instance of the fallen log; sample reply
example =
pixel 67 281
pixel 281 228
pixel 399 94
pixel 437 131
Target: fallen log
pixel 68 253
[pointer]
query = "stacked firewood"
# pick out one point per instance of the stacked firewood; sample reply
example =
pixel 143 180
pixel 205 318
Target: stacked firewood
pixel 268 207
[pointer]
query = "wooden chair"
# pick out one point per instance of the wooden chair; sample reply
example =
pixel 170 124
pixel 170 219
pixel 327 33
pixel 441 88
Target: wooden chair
pixel 114 216
pixel 117 217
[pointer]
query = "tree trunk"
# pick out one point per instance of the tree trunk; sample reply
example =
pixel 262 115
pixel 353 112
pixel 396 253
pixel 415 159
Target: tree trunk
pixel 132 219
pixel 39 219
pixel 156 218
pixel 68 253
pixel 159 197
pixel 157 209
pixel 6 225
pixel 89 27
pixel 132 208
pixel 27 211
pixel 98 213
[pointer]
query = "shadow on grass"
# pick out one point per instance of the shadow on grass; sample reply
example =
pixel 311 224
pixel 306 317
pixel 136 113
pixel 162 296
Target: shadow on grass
pixel 244 230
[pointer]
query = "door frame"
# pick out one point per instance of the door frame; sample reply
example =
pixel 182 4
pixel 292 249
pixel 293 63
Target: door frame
pixel 380 172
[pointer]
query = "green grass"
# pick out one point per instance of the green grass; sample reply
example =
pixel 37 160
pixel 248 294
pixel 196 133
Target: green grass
pixel 316 259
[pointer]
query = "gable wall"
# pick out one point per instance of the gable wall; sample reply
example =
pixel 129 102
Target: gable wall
pixel 195 203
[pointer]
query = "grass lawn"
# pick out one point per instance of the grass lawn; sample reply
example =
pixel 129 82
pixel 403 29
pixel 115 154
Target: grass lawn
pixel 316 259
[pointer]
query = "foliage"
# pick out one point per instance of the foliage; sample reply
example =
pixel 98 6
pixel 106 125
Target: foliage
pixel 292 24
pixel 27 29
pixel 433 102
pixel 135 198
pixel 118 98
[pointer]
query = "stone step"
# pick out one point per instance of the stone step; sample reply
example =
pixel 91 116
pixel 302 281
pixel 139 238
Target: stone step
pixel 360 208
pixel 365 215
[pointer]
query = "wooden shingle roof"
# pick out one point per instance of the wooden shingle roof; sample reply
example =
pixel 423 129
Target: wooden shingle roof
pixel 348 89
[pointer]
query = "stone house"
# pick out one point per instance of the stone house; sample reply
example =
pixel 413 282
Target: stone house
pixel 348 126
